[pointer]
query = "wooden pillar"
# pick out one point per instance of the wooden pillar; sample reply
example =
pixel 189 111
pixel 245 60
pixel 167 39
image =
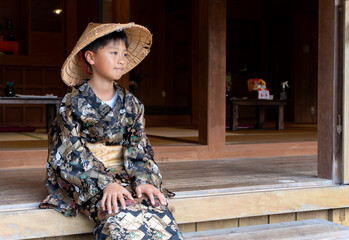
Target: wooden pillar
pixel 330 71
pixel 212 71
pixel 195 73
pixel 345 124
pixel 121 14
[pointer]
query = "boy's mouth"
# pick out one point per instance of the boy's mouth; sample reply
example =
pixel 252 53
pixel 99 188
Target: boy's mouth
pixel 119 69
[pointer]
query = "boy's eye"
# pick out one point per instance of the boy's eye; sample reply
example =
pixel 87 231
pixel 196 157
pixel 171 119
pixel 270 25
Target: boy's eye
pixel 115 53
pixel 125 54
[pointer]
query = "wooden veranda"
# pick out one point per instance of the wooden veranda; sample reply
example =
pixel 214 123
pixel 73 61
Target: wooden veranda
pixel 218 185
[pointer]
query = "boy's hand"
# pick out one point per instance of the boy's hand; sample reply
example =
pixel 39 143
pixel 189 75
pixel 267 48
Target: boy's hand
pixel 111 195
pixel 151 192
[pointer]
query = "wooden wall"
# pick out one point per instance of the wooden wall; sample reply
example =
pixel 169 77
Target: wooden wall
pixel 165 85
pixel 277 41
pixel 305 61
pixel 34 76
pixel 44 40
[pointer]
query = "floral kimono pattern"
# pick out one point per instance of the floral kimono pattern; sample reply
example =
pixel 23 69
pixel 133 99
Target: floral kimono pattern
pixel 76 178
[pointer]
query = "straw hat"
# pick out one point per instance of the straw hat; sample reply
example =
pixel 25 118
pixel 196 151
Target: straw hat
pixel 139 37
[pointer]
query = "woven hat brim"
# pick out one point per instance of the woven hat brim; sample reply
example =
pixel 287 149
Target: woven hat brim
pixel 139 38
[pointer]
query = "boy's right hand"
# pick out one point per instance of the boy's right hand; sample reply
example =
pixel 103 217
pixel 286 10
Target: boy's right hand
pixel 111 194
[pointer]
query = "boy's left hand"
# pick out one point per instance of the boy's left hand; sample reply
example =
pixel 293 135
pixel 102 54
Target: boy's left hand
pixel 151 192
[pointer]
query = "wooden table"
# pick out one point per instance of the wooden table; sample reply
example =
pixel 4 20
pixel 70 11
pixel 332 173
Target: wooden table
pixel 260 105
pixel 52 105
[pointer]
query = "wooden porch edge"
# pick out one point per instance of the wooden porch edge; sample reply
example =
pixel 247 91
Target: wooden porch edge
pixel 200 209
pixel 36 223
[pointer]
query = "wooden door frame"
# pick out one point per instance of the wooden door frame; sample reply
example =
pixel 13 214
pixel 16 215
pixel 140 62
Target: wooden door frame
pixel 330 78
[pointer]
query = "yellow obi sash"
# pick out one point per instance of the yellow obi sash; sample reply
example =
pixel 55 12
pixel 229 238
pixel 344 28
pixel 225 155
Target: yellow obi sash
pixel 110 156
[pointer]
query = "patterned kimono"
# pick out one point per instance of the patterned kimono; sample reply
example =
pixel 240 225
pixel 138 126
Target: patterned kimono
pixel 76 178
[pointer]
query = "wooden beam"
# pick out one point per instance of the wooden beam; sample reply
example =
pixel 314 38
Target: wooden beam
pixel 329 92
pixel 212 71
pixel 121 14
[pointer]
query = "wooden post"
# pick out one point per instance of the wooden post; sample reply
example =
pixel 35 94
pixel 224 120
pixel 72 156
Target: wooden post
pixel 195 73
pixel 121 14
pixel 212 71
pixel 346 98
pixel 329 90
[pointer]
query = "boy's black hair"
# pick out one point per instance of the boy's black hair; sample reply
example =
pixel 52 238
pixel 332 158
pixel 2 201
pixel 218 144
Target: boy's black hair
pixel 103 41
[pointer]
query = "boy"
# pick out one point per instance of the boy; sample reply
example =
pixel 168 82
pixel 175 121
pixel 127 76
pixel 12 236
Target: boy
pixel 99 156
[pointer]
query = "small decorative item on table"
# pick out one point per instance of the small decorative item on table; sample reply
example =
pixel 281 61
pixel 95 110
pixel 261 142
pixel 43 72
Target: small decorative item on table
pixel 257 89
pixel 9 90
pixel 283 94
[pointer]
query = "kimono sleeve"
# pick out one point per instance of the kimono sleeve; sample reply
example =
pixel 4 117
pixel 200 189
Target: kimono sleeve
pixel 139 155
pixel 74 166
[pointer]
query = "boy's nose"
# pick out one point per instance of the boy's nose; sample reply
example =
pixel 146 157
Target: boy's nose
pixel 122 60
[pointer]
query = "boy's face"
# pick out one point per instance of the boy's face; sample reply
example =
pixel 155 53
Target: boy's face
pixel 109 62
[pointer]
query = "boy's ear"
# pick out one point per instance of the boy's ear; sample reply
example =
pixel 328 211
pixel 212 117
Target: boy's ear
pixel 89 56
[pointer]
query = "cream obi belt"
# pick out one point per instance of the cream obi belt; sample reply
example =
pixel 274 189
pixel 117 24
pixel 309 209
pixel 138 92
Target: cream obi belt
pixel 110 156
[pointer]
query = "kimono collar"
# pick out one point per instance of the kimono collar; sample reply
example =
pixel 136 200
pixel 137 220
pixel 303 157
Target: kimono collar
pixel 101 107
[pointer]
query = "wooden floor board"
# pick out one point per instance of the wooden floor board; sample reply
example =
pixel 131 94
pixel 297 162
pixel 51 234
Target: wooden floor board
pixel 214 174
pixel 20 186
